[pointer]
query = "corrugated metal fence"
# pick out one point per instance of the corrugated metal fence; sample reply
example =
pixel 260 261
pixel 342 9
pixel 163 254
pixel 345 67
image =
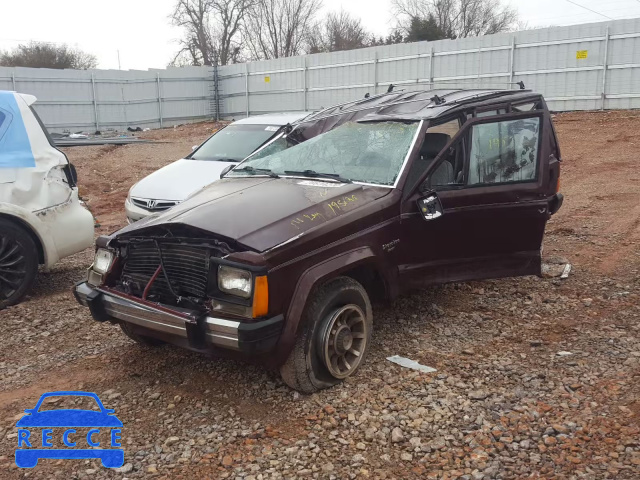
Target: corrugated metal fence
pixel 581 67
pixel 89 100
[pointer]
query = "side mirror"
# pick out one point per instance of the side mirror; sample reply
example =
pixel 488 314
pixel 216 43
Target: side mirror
pixel 226 170
pixel 194 147
pixel 430 207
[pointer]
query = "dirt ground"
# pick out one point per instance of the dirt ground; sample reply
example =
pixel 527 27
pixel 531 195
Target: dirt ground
pixel 536 377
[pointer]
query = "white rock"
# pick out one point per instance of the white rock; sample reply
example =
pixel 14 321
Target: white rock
pixel 397 435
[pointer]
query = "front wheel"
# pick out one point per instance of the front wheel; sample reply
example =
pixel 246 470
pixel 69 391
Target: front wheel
pixel 334 338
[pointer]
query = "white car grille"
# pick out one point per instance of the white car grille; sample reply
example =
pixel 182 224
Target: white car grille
pixel 153 205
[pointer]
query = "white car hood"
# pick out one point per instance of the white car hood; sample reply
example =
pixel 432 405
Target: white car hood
pixel 179 179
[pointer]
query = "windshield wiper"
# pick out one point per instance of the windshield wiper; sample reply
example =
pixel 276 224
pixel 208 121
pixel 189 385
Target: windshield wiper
pixel 313 173
pixel 257 171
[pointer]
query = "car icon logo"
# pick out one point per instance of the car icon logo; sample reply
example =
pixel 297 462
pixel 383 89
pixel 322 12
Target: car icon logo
pixel 68 426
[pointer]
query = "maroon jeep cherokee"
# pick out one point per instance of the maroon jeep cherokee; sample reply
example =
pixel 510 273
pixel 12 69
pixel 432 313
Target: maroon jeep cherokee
pixel 279 260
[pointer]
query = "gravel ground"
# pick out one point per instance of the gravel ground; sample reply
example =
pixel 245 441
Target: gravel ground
pixel 536 377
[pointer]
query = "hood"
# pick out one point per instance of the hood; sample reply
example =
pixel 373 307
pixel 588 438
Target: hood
pixel 179 179
pixel 261 213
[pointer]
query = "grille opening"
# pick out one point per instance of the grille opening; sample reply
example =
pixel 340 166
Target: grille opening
pixel 186 266
pixel 154 205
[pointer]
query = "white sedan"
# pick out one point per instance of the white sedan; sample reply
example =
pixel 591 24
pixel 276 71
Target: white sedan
pixel 172 184
pixel 41 218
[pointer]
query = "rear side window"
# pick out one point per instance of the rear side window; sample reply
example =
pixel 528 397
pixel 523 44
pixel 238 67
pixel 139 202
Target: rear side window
pixel 5 120
pixel 504 152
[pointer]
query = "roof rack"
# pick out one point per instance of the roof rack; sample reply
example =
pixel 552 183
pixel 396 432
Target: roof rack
pixel 432 104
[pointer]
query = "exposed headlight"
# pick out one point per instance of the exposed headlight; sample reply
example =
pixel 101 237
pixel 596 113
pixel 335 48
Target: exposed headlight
pixel 235 281
pixel 102 261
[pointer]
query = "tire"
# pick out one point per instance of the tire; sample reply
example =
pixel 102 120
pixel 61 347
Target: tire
pixel 324 326
pixel 141 339
pixel 18 263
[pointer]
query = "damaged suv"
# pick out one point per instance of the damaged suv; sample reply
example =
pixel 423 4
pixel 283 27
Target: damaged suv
pixel 279 260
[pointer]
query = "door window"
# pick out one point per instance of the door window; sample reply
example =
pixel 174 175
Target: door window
pixel 433 142
pixel 504 152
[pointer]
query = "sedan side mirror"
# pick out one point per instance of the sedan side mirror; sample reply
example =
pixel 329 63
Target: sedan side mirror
pixel 226 170
pixel 430 207
pixel 194 147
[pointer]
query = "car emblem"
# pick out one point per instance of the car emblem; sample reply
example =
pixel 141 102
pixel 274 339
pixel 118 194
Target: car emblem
pixel 151 204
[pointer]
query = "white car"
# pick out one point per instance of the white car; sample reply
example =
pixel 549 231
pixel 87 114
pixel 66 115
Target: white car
pixel 41 218
pixel 230 145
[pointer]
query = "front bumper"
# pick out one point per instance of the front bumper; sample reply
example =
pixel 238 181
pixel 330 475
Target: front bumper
pixel 201 334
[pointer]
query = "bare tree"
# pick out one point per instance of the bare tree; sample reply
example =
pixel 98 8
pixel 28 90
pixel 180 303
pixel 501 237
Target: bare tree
pixel 212 29
pixel 279 28
pixel 457 18
pixel 47 55
pixel 338 31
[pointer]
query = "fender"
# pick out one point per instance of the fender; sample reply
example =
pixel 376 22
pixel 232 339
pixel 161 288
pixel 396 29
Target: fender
pixel 320 272
pixel 32 223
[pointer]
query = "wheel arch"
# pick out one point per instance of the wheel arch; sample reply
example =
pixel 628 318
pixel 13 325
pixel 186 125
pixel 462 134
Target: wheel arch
pixel 361 264
pixel 27 227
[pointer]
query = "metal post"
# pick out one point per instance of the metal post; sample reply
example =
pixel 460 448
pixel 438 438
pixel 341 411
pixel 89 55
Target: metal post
pixel 246 86
pixel 304 82
pixel 605 65
pixel 375 71
pixel 479 63
pixel 13 81
pixel 159 98
pixel 95 102
pixel 431 77
pixel 512 60
pixel 216 92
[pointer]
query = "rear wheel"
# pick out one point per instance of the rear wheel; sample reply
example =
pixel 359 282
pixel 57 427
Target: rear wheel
pixel 335 336
pixel 141 339
pixel 18 263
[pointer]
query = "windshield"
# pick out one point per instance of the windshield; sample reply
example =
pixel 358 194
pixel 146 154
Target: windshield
pixel 234 143
pixel 277 145
pixel 362 152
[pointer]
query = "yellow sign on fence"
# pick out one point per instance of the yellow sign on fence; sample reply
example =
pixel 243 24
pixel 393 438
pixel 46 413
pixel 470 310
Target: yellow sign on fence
pixel 267 79
pixel 582 54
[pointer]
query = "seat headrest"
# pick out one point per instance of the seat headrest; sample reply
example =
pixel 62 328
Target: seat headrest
pixel 433 144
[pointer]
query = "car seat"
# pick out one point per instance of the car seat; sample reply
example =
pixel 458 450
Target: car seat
pixel 431 146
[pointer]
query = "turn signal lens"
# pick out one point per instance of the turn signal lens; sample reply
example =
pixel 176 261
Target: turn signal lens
pixel 261 297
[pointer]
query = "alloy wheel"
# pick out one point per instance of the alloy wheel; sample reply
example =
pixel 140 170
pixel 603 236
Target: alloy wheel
pixel 13 263
pixel 344 340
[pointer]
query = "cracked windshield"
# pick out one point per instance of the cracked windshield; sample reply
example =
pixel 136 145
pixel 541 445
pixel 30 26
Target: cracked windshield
pixel 360 152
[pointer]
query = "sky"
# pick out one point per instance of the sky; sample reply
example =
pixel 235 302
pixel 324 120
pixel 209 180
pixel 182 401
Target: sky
pixel 140 34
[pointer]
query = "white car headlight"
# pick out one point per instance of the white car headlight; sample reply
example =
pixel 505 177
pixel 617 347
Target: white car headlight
pixel 102 261
pixel 235 281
